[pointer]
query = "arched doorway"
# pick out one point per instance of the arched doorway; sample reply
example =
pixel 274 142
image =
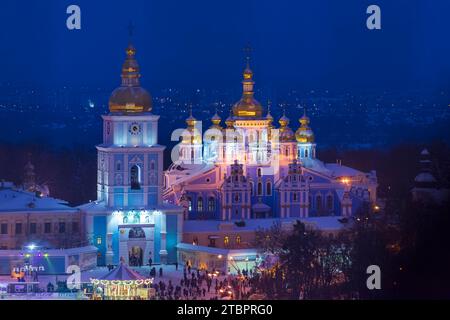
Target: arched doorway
pixel 135 257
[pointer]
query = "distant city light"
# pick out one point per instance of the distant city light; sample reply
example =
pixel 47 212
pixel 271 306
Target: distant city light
pixel 91 104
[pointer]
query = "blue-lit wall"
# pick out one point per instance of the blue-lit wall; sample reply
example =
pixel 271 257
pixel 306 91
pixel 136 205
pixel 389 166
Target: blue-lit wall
pixel 171 237
pixel 100 233
pixel 157 239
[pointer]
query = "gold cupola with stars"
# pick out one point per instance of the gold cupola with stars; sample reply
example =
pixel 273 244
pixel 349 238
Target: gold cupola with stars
pixel 247 106
pixel 130 97
pixel 304 134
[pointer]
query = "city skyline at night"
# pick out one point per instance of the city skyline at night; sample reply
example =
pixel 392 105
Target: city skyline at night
pixel 246 151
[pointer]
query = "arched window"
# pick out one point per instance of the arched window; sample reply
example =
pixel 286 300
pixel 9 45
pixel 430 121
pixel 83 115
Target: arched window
pixel 259 172
pixel 152 165
pixel 200 204
pixel 319 202
pixel 226 241
pixel 238 239
pixel 287 151
pixel 259 188
pixel 269 188
pixel 306 153
pixel 236 197
pixel 135 178
pixel 211 204
pixel 294 196
pixel 330 202
pixel 118 166
pixel 252 186
pixel 189 199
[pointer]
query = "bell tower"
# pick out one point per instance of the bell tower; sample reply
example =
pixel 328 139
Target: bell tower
pixel 130 159
pixel 129 221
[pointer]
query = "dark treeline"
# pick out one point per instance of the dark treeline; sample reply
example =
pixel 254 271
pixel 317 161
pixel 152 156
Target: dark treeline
pixel 70 173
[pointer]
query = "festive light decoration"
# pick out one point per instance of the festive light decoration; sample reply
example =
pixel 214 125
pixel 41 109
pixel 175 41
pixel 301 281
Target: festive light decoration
pixel 138 282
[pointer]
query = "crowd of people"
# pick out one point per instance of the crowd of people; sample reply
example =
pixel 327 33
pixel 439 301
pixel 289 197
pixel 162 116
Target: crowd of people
pixel 203 285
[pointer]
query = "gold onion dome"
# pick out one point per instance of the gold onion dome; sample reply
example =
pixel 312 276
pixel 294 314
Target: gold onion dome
pixel 304 134
pixel 248 106
pixel 190 121
pixel 130 97
pixel 286 133
pixel 191 134
pixel 229 122
pixel 216 119
pixel 216 128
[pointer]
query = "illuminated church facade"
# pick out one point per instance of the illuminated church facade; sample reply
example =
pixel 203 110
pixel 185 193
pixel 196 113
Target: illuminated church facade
pixel 222 186
pixel 129 221
pixel 250 169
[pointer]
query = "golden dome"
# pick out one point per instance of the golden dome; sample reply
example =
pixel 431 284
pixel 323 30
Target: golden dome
pixel 304 134
pixel 286 133
pixel 229 122
pixel 130 97
pixel 248 106
pixel 284 121
pixel 191 121
pixel 216 119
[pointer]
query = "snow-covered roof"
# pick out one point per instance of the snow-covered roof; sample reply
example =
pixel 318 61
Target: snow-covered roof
pixel 184 172
pixel 16 200
pixel 100 206
pixel 93 206
pixel 425 177
pixel 321 223
pixel 338 170
pixel 316 165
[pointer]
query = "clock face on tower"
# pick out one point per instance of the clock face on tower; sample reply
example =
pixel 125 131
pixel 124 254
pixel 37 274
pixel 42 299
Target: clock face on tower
pixel 135 128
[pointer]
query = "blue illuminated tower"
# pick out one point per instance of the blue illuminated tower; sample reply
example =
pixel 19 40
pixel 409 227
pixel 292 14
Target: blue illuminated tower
pixel 129 221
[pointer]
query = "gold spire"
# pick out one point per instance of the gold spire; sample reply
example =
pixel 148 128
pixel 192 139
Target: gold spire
pixel 248 106
pixel 130 97
pixel 269 117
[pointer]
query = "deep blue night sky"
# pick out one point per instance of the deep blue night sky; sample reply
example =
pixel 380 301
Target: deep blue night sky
pixel 314 44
